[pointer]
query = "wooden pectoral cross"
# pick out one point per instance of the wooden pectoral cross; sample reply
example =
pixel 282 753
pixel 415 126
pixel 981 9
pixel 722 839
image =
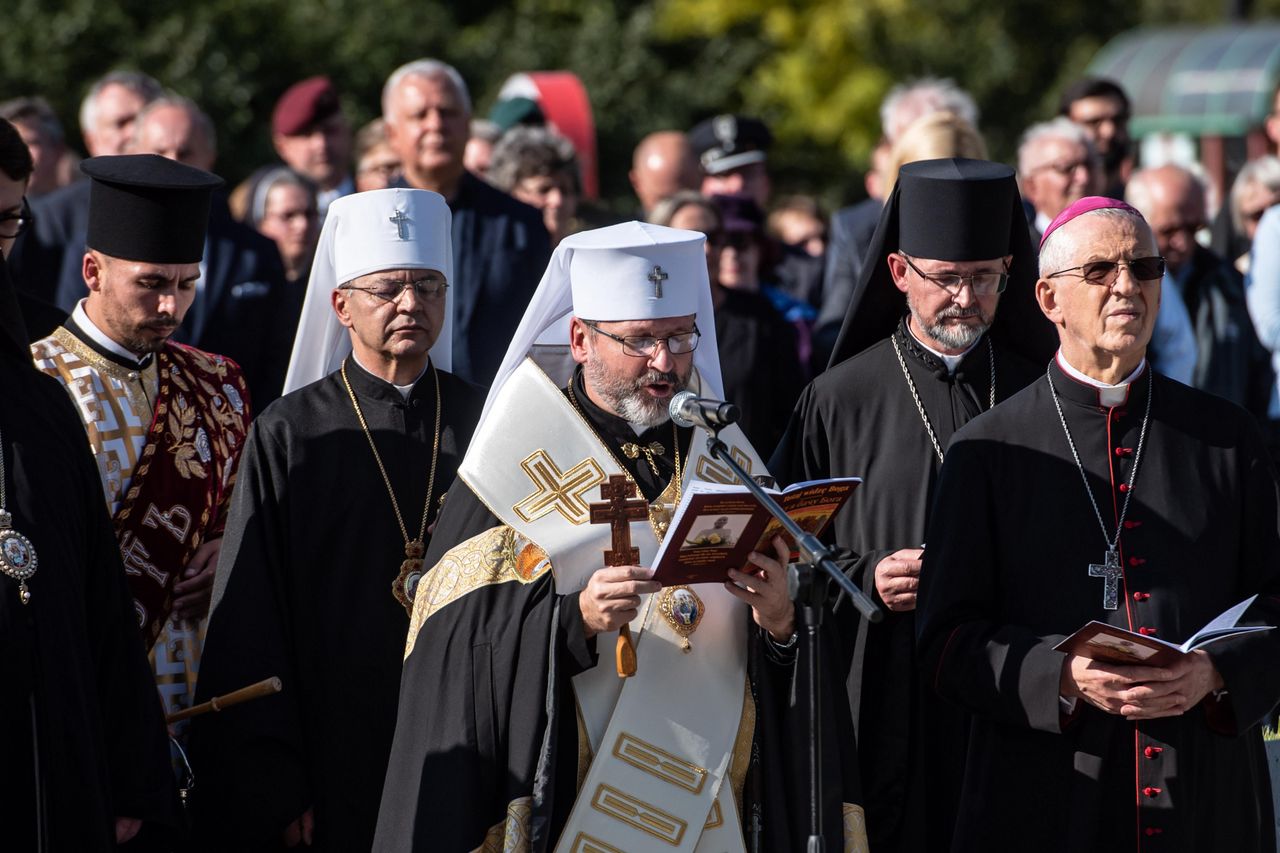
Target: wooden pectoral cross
pixel 1110 572
pixel 618 509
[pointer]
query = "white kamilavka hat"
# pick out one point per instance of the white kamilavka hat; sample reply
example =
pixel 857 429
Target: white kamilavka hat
pixel 365 233
pixel 631 271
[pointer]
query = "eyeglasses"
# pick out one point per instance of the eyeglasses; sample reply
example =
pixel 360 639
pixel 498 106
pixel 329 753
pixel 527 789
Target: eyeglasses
pixel 737 240
pixel 389 291
pixel 1104 273
pixel 1063 169
pixel 644 346
pixel 983 283
pixel 13 224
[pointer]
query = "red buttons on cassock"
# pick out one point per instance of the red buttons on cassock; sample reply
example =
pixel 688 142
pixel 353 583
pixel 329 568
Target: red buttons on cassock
pixel 1151 792
pixel 1130 524
pixel 1152 830
pixel 1146 632
pixel 1141 596
pixel 1137 561
pixel 1124 487
pixel 1124 451
pixel 1152 751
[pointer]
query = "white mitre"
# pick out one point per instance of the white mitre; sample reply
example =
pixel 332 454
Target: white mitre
pixel 365 233
pixel 631 271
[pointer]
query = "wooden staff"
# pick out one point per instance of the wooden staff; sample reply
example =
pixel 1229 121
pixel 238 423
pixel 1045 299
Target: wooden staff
pixel 265 687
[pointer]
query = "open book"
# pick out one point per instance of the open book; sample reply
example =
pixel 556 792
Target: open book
pixel 716 526
pixel 1100 641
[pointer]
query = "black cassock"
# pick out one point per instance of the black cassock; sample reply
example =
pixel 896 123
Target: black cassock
pixel 1008 578
pixel 487 710
pixel 83 730
pixel 859 419
pixel 310 553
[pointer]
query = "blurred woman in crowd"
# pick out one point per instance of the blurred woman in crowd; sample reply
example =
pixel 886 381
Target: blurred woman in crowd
pixel 281 204
pixel 377 166
pixel 1257 188
pixel 540 168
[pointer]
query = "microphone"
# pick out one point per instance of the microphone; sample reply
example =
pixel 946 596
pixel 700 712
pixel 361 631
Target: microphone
pixel 688 410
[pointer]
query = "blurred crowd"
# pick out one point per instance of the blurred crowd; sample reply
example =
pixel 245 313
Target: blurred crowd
pixel 783 269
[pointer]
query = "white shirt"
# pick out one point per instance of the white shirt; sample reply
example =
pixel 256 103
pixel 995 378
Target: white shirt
pixel 951 361
pixel 99 337
pixel 405 390
pixel 1108 395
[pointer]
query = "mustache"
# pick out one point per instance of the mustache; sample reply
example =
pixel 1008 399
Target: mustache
pixel 956 312
pixel 655 376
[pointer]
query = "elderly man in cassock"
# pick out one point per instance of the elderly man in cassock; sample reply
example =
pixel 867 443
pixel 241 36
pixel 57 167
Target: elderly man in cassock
pixel 1105 491
pixel 166 422
pixel 515 727
pixel 338 495
pixel 923 351
pixel 84 763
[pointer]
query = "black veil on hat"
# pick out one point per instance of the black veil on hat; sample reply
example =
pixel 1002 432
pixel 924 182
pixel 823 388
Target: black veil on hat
pixel 954 209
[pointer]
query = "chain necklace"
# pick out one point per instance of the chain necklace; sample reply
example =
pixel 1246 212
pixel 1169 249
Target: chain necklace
pixel 660 526
pixel 915 395
pixel 406 583
pixel 17 555
pixel 1109 569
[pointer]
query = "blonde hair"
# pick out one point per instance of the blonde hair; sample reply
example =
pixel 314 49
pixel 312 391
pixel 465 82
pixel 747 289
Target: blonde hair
pixel 932 137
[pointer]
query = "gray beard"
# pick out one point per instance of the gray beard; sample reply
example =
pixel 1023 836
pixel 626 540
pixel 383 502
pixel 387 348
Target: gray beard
pixel 628 400
pixel 953 337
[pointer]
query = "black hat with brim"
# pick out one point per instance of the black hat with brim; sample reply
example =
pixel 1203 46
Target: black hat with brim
pixel 148 208
pixel 953 209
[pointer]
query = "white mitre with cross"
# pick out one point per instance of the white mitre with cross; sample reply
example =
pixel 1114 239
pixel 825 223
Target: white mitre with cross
pixel 630 271
pixel 365 233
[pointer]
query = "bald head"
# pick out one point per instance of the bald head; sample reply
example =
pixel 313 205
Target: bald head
pixel 663 164
pixel 1173 201
pixel 175 128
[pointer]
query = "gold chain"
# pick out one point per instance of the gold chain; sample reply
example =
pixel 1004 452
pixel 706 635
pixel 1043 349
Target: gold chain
pixel 435 456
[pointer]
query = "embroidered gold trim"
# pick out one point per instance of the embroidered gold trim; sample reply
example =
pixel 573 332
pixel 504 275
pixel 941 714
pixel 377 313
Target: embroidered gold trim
pixel 584 843
pixel 740 762
pixel 498 555
pixel 557 491
pixel 510 835
pixel 658 762
pixel 145 382
pixel 712 471
pixel 635 812
pixel 855 829
pixel 715 818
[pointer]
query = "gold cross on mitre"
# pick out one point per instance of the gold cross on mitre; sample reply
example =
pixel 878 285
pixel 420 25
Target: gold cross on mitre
pixel 658 277
pixel 558 491
pixel 401 221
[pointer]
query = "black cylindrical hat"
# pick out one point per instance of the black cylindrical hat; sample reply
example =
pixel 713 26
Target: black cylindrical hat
pixel 143 207
pixel 953 209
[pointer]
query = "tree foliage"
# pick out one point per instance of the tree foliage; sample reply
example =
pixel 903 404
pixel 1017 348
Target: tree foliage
pixel 815 69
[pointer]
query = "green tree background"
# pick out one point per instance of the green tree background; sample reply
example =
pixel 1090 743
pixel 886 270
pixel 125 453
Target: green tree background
pixel 816 70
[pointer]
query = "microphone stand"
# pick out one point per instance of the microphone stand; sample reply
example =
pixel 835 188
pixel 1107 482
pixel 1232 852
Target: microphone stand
pixel 809 593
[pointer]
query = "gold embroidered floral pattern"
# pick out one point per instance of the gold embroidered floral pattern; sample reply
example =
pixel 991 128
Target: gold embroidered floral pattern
pixel 855 829
pixel 498 555
pixel 511 835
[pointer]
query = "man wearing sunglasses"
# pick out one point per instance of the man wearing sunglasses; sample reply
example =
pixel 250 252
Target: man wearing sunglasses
pixel 342 480
pixel 935 336
pixel 1105 492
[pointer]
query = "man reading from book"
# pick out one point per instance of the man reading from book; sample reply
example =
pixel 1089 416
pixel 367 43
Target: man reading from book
pixel 511 690
pixel 1105 492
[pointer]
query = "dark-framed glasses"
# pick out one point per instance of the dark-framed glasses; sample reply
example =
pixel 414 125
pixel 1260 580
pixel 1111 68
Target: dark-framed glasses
pixel 983 283
pixel 1105 273
pixel 13 224
pixel 429 287
pixel 643 346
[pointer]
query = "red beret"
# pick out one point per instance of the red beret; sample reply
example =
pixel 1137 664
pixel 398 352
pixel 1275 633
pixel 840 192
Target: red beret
pixel 303 104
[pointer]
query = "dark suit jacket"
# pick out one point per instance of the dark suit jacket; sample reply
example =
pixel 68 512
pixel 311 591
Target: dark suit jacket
pixel 500 250
pixel 851 231
pixel 235 314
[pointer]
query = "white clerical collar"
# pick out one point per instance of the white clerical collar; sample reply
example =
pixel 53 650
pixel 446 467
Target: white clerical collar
pixel 1108 395
pixel 951 361
pixel 81 318
pixel 405 390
